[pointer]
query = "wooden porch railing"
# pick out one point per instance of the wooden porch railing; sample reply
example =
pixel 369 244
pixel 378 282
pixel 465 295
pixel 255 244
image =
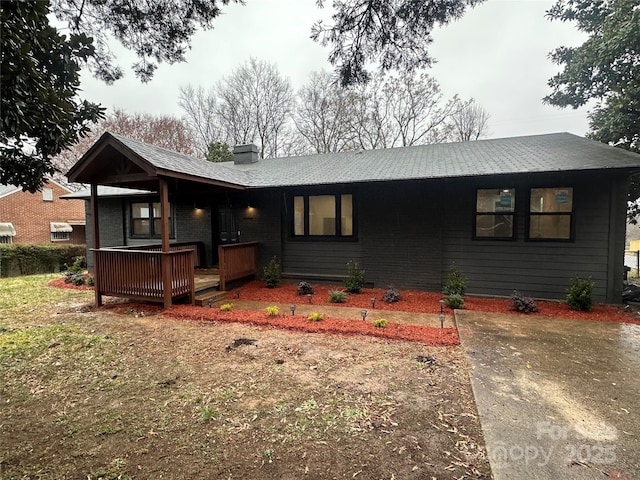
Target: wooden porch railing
pixel 197 247
pixel 138 273
pixel 237 260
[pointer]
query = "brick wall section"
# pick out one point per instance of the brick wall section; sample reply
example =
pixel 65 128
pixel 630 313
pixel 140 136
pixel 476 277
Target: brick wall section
pixel 31 215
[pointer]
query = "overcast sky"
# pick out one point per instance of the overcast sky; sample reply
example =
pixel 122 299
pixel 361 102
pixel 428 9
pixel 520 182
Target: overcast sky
pixel 497 53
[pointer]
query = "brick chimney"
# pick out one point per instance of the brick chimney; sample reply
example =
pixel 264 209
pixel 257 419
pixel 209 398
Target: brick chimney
pixel 245 154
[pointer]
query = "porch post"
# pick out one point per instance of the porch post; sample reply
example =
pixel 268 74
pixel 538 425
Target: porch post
pixel 95 233
pixel 166 260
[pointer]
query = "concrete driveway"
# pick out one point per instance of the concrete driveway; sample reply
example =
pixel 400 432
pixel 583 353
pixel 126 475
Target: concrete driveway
pixel 558 399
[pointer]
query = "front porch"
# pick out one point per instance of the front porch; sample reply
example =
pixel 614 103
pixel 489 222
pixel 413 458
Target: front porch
pixel 137 272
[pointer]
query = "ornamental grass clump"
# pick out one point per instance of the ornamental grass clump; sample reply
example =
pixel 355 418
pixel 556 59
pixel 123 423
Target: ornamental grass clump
pixel 315 317
pixel 273 311
pixel 337 296
pixel 380 323
pixel 523 304
pixel 580 296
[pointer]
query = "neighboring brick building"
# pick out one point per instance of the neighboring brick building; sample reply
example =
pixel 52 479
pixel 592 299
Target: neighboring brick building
pixel 41 217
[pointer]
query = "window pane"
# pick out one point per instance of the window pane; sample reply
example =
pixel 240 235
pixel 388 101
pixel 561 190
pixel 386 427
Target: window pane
pixel 346 222
pixel 140 210
pixel 298 215
pixel 156 210
pixel 141 226
pixel 496 200
pixel 551 200
pixel 494 226
pixel 550 226
pixel 322 215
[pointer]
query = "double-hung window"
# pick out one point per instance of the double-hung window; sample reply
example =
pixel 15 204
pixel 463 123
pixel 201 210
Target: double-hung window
pixel 146 220
pixel 323 216
pixel 551 214
pixel 495 213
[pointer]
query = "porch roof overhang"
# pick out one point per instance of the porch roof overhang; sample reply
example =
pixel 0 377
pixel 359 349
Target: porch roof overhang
pixel 117 161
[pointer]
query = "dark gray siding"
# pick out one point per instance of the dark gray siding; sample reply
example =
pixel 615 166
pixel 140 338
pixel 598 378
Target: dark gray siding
pixel 538 269
pixel 263 224
pixel 400 229
pixel 111 223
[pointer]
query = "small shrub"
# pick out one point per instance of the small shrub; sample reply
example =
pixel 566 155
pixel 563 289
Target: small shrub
pixel 337 296
pixel 391 295
pixel 355 277
pixel 91 281
pixel 226 307
pixel 456 282
pixel 273 311
pixel 271 273
pixel 580 296
pixel 523 304
pixel 315 317
pixel 380 323
pixel 305 288
pixel 76 279
pixel 76 268
pixel 454 300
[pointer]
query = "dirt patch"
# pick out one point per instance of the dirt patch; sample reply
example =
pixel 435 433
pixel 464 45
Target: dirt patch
pixel 131 394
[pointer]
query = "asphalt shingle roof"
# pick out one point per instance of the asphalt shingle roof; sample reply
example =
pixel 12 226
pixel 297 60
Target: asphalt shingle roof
pixel 516 155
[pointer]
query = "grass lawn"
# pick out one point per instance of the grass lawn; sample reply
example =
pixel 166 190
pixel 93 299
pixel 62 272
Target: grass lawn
pixel 96 394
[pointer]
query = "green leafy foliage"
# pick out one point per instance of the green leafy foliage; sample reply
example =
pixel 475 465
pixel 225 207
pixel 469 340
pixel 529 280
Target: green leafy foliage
pixel 219 152
pixel 393 34
pixel 456 282
pixel 39 101
pixel 580 295
pixel 355 277
pixel 271 274
pixel 523 304
pixel 337 296
pixel 23 259
pixel 226 307
pixel 605 68
pixel 454 300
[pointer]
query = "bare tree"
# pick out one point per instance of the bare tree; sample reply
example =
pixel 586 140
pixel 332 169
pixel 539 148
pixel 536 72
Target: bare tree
pixel 469 121
pixel 255 106
pixel 322 115
pixel 398 112
pixel 200 108
pixel 163 131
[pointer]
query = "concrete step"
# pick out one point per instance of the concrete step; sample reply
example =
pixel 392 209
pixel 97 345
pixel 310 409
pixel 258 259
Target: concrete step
pixel 211 295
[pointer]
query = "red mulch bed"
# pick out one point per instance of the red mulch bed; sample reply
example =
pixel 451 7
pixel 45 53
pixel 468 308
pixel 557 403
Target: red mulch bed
pixel 393 331
pixel 412 301
pixel 426 302
pixel 60 283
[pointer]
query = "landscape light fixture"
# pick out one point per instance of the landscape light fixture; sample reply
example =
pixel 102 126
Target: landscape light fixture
pixel 210 302
pixel 441 314
pixel 237 293
pixel 373 302
pixel 364 314
pixel 309 297
pixel 293 308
